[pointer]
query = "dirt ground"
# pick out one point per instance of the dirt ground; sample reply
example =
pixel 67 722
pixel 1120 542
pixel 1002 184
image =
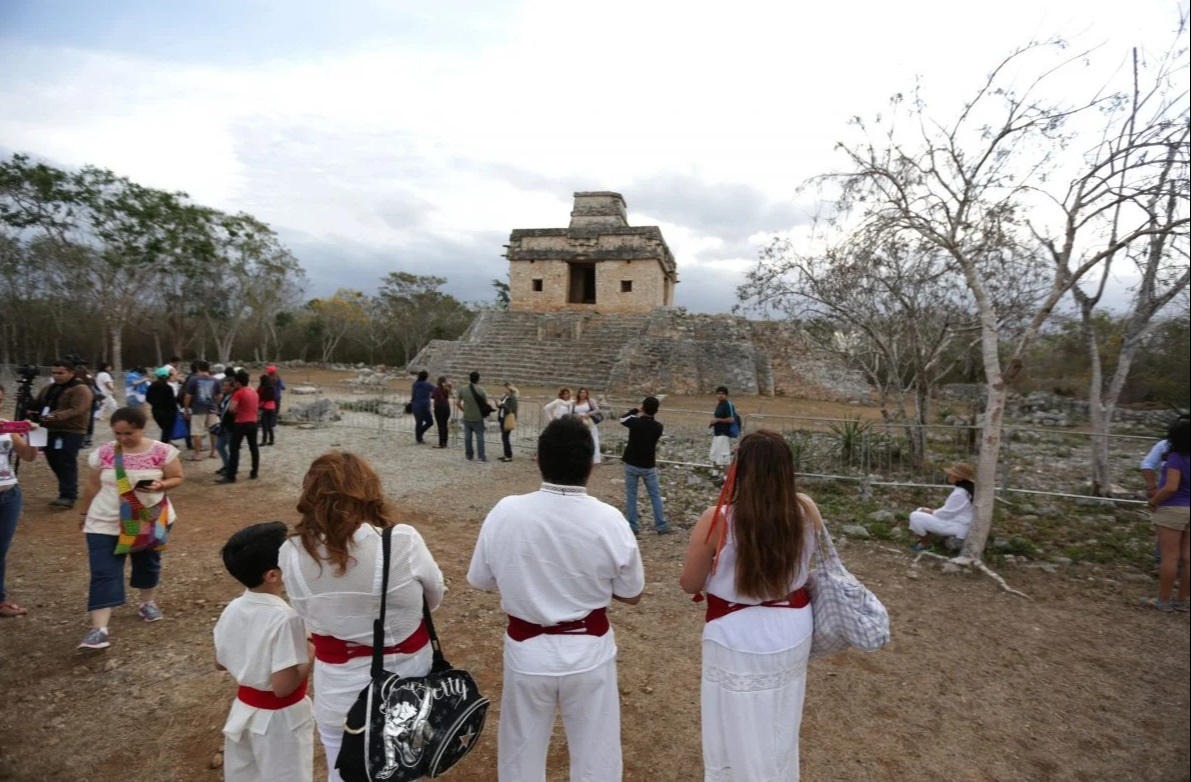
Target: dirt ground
pixel 1076 685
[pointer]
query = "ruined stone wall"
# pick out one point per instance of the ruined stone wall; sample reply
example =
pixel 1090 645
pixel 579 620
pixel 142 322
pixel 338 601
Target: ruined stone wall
pixel 666 351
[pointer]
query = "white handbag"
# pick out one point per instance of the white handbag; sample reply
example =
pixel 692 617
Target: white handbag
pixel 846 613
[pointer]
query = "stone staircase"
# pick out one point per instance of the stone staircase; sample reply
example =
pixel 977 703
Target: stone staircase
pixel 664 351
pixel 535 349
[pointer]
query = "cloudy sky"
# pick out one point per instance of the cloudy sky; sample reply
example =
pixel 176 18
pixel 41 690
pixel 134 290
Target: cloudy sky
pixel 382 135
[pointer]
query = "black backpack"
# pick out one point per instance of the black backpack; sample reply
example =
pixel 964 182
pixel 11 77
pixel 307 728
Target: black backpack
pixel 403 729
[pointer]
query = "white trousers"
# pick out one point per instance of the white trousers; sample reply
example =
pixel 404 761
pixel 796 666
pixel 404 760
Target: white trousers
pixel 332 739
pixel 721 450
pixel 283 753
pixel 590 706
pixel 922 523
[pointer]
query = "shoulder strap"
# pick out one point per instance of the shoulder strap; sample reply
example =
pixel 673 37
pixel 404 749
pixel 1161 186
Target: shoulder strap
pixel 378 628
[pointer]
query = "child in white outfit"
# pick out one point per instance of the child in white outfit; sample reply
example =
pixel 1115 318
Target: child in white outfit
pixel 261 641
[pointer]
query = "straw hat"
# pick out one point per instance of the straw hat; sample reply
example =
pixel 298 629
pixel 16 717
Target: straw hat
pixel 961 470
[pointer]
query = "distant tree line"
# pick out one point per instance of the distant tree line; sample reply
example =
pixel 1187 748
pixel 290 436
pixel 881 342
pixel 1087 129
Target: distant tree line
pixel 95 264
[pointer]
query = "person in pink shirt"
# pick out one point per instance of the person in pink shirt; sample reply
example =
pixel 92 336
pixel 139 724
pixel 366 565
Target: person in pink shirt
pixel 244 408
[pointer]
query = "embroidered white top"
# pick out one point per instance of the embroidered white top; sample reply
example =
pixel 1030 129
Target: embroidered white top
pixel 256 636
pixel 556 555
pixel 103 517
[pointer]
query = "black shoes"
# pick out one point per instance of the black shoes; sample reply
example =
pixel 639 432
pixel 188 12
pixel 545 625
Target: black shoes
pixel 226 479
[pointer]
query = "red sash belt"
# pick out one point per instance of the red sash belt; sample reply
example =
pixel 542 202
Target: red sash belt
pixel 336 651
pixel 595 623
pixel 718 606
pixel 265 699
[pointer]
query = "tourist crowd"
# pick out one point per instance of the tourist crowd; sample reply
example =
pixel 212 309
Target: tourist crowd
pixel 557 557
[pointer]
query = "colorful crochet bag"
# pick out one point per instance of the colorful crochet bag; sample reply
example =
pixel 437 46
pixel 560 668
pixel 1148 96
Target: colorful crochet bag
pixel 141 528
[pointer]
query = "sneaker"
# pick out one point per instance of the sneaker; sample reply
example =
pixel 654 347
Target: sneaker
pixel 149 612
pixel 1178 605
pixel 97 638
pixel 221 471
pixel 665 531
pixel 506 458
pixel 226 479
pixel 61 502
pixel 252 476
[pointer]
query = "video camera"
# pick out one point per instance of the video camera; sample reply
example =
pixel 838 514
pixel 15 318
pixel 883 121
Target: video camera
pixel 26 373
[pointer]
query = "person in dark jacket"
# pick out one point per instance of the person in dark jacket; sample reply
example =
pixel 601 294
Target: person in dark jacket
pixel 420 402
pixel 64 409
pixel 163 402
pixel 640 463
pixel 440 398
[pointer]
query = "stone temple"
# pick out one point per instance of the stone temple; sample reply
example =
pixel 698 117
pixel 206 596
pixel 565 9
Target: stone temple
pixel 592 305
pixel 598 263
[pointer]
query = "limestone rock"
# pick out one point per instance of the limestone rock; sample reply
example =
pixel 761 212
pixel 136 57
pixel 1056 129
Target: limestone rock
pixel 856 531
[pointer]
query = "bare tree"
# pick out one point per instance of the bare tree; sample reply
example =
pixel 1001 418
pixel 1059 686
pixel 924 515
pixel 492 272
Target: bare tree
pixel 893 311
pixel 1156 130
pixel 984 188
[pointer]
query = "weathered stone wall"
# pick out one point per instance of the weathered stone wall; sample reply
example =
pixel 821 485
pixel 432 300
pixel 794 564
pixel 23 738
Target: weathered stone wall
pixel 666 351
pixel 630 258
pixel 631 268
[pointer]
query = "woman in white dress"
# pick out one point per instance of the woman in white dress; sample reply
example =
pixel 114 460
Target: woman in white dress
pixel 584 407
pixel 557 408
pixel 954 519
pixel 332 572
pixel 753 562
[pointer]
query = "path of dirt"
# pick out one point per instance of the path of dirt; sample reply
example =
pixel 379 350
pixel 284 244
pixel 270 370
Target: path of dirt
pixel 977 686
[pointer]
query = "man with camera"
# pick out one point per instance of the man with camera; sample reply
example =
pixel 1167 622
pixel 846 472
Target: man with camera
pixel 63 408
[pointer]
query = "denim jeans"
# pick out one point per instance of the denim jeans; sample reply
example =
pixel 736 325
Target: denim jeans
pixel 650 475
pixel 423 421
pixel 62 454
pixel 222 441
pixel 107 571
pixel 475 428
pixel 240 433
pixel 10 513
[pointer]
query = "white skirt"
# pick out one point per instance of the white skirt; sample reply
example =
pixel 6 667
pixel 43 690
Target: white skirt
pixel 752 712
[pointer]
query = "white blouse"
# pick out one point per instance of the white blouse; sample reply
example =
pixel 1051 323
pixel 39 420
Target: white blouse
pixel 345 606
pixel 764 630
pixel 958 508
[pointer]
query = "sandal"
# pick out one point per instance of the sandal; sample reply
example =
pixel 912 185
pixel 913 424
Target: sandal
pixel 1153 602
pixel 10 610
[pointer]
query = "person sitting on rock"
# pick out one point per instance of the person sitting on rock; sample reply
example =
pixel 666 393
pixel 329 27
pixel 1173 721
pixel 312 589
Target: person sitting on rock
pixel 955 517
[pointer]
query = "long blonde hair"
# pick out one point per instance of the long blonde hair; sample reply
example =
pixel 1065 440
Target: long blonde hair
pixel 767 519
pixel 340 492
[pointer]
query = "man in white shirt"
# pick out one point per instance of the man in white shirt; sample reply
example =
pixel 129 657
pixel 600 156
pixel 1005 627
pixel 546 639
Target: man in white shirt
pixel 559 557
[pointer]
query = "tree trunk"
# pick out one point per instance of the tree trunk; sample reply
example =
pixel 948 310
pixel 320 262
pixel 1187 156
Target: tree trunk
pixel 990 435
pixel 116 336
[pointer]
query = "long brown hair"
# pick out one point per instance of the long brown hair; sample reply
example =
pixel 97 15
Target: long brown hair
pixel 767 520
pixel 340 492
